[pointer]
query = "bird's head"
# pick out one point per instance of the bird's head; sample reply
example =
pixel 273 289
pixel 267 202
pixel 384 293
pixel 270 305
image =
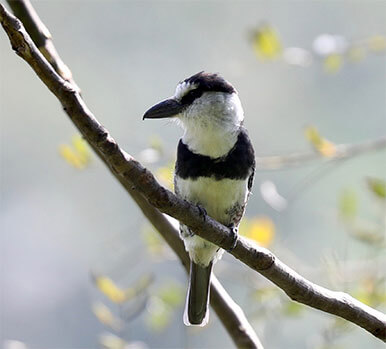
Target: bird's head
pixel 208 108
pixel 203 99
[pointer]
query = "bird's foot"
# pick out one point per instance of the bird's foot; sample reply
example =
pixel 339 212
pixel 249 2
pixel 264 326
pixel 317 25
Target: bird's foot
pixel 234 236
pixel 202 211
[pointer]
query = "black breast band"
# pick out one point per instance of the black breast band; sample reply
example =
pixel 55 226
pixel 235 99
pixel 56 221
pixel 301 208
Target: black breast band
pixel 239 163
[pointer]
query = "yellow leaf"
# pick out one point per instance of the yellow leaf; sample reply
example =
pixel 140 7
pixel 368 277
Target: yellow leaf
pixel 69 155
pixel 260 229
pixel 118 295
pixel 312 134
pixel 110 289
pixel 105 316
pixel 78 154
pixel 266 42
pixel 327 148
pixel 165 175
pixel 323 146
pixel 81 148
pixel 377 43
pixel 333 63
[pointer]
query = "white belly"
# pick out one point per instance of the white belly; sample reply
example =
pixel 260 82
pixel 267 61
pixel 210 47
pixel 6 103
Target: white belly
pixel 217 197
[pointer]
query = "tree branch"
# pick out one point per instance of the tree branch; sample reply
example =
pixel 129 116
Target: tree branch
pixel 229 313
pixel 343 151
pixel 41 36
pixel 133 174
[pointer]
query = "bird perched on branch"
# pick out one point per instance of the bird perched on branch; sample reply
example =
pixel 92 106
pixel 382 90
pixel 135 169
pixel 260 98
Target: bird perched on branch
pixel 214 170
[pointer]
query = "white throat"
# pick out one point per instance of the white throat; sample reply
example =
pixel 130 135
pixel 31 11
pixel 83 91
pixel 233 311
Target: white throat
pixel 212 123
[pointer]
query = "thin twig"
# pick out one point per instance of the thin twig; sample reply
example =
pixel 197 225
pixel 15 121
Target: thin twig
pixel 42 38
pixel 342 151
pixel 229 313
pixel 134 174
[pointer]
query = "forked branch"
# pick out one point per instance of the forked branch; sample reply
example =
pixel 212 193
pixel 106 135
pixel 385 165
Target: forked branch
pixel 229 313
pixel 134 175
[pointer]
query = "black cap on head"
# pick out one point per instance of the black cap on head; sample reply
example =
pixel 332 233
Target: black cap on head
pixel 210 82
pixel 203 82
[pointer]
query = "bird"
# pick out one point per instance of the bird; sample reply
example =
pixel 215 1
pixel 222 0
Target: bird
pixel 214 170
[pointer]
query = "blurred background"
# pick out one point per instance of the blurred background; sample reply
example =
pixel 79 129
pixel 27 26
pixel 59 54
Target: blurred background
pixel 81 267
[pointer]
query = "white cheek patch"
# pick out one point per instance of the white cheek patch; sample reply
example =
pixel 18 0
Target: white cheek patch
pixel 211 123
pixel 234 108
pixel 182 89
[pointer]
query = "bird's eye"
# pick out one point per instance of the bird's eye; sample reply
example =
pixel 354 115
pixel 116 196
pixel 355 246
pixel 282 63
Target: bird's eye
pixel 191 96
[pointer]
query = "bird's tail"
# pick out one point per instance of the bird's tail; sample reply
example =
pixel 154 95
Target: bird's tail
pixel 196 308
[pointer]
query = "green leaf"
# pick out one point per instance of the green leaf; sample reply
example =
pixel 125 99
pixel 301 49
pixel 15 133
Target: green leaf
pixel 348 204
pixel 292 309
pixel 172 294
pixel 377 187
pixel 160 314
pixel 265 294
pixel 159 321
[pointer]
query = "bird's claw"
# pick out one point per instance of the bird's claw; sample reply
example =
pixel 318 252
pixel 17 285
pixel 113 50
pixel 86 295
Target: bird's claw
pixel 202 211
pixel 234 236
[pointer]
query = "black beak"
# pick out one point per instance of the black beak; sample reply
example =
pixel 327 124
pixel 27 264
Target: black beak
pixel 165 109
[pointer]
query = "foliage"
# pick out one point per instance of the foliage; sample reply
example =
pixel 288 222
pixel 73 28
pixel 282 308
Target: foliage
pixel 333 51
pixel 322 145
pixel 77 154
